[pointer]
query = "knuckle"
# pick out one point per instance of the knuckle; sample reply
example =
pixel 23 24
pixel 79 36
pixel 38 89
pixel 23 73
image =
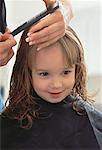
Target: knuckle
pixel 36 35
pixel 14 43
pixel 47 30
pixel 48 37
pixel 2 63
pixel 5 63
pixel 63 25
pixel 59 16
pixel 63 33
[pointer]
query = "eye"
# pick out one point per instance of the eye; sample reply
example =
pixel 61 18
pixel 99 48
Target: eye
pixel 66 72
pixel 43 73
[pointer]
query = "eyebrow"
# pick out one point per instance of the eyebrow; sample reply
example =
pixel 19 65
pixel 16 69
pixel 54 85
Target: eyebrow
pixel 49 69
pixel 41 70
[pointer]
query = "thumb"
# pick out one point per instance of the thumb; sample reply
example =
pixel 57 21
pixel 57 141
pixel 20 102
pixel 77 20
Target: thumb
pixel 1 37
pixel 49 2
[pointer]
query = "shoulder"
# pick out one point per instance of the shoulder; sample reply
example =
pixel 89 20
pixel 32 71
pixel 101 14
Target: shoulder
pixel 9 131
pixel 82 133
pixel 80 118
pixel 8 126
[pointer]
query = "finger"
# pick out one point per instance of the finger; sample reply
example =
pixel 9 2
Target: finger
pixel 8 30
pixel 53 18
pixel 1 37
pixel 5 59
pixel 8 41
pixel 6 54
pixel 8 36
pixel 49 2
pixel 45 44
pixel 57 27
pixel 48 37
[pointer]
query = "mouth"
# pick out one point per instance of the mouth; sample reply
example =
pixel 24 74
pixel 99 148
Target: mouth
pixel 55 94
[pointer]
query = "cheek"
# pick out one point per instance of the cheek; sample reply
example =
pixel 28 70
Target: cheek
pixel 70 82
pixel 38 84
pixel 73 78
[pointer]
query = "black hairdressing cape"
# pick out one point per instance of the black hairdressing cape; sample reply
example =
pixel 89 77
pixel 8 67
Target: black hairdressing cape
pixel 58 127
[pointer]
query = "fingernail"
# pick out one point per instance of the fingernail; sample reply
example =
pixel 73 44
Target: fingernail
pixel 0 33
pixel 30 43
pixel 29 34
pixel 27 39
pixel 39 48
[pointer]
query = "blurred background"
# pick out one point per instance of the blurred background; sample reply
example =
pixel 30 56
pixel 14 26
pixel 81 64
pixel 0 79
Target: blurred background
pixel 86 22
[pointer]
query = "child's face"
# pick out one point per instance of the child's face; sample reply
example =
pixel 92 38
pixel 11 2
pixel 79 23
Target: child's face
pixel 51 78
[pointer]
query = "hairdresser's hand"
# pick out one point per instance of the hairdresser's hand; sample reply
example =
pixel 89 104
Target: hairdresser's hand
pixel 48 30
pixel 6 52
pixel 49 2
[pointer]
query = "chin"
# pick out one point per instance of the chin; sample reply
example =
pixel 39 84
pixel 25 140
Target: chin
pixel 54 100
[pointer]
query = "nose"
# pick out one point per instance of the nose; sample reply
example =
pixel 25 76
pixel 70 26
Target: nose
pixel 56 83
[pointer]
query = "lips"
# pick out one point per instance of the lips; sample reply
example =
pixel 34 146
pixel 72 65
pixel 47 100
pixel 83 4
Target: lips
pixel 55 95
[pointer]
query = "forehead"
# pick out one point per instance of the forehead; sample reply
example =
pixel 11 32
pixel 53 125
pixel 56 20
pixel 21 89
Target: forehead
pixel 52 50
pixel 52 54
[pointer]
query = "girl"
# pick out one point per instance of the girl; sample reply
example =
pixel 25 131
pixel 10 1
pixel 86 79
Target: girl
pixel 45 86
